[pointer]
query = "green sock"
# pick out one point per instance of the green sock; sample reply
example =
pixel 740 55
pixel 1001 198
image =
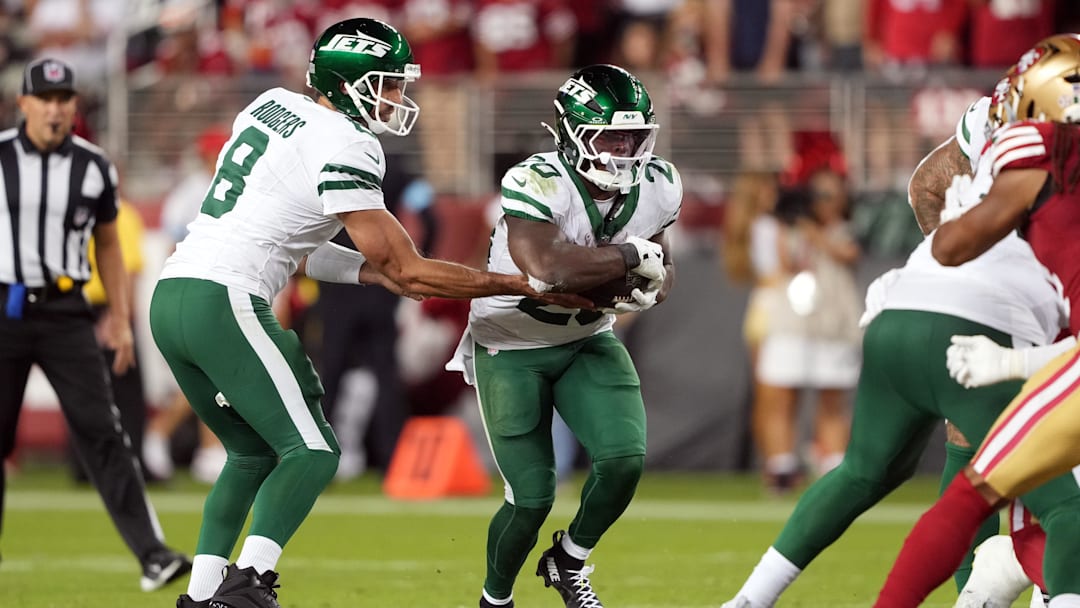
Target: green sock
pixel 511 535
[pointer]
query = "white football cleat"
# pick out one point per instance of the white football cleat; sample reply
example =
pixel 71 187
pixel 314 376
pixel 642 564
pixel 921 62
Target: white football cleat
pixel 737 602
pixel 997 579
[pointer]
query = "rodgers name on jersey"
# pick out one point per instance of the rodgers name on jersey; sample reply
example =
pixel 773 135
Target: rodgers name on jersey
pixel 543 188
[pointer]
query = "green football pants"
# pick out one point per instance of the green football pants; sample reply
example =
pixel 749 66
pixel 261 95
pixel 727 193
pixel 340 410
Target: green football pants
pixel 904 392
pixel 593 384
pixel 250 381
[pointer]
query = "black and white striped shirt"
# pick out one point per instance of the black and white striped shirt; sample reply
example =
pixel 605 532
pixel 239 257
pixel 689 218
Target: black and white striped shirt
pixel 50 205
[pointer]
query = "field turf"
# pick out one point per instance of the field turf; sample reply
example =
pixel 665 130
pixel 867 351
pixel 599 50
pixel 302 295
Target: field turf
pixel 688 540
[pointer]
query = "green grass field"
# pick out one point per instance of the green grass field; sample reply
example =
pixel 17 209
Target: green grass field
pixel 686 541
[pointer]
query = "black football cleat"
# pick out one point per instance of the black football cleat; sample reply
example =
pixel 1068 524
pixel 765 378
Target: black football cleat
pixel 162 568
pixel 486 604
pixel 246 589
pixel 185 601
pixel 569 576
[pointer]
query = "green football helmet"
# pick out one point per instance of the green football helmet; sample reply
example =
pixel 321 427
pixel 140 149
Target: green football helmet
pixel 605 126
pixel 355 63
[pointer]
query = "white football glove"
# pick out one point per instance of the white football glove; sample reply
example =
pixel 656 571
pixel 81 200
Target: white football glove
pixel 975 361
pixel 954 198
pixel 643 300
pixel 651 256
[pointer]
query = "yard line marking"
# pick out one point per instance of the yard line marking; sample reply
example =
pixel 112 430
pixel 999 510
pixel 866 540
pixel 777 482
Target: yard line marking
pixel 333 505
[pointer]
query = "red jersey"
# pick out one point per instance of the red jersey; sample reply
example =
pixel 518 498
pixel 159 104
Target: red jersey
pixel 523 33
pixel 1053 223
pixel 1002 31
pixel 906 28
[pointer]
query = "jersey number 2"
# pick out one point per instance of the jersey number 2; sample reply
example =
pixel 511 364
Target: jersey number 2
pixel 229 183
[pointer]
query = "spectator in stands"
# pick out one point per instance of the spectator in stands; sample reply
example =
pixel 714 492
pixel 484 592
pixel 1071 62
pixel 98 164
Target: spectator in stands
pixel 641 33
pixel 745 35
pixel 75 31
pixel 518 36
pixel 1002 30
pixel 438 31
pixel 903 38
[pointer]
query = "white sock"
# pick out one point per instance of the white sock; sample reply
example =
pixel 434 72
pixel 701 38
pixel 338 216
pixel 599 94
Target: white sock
pixel 829 462
pixel 496 602
pixel 206 576
pixel 772 575
pixel 782 464
pixel 1065 600
pixel 260 553
pixel 573 549
pixel 1037 600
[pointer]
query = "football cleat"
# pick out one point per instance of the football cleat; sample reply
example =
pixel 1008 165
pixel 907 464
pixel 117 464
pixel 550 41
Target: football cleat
pixel 486 604
pixel 997 579
pixel 185 601
pixel 246 588
pixel 737 602
pixel 162 568
pixel 569 576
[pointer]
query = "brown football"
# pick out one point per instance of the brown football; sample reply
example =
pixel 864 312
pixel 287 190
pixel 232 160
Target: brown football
pixel 606 295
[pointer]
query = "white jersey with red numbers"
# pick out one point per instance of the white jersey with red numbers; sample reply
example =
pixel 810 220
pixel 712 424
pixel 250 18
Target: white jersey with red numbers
pixel 290 166
pixel 544 188
pixel 1053 221
pixel 1005 288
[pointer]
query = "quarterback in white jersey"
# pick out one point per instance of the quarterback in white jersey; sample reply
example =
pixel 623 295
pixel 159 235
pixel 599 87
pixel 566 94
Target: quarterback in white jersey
pixel 593 213
pixel 294 172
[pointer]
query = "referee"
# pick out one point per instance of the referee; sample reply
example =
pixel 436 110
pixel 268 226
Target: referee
pixel 58 190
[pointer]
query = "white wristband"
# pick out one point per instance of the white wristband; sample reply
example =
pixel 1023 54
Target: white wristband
pixel 333 263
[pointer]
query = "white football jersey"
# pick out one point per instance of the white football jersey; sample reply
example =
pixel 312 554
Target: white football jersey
pixel 1006 287
pixel 289 167
pixel 543 188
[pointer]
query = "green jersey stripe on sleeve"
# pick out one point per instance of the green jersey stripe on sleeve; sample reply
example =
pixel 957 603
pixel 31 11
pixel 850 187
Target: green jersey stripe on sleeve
pixel 522 215
pixel 367 176
pixel 525 198
pixel 347 185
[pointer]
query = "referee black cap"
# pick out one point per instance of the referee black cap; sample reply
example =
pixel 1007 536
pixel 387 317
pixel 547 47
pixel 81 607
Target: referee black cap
pixel 47 75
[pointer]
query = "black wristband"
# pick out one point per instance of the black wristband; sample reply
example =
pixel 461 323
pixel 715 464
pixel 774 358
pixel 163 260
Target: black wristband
pixel 630 255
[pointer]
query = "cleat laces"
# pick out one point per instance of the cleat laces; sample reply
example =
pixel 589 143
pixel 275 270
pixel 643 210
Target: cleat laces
pixel 583 588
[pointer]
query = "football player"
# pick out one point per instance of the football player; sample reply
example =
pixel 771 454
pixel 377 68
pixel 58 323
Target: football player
pixel 294 171
pixel 905 388
pixel 1034 163
pixel 565 216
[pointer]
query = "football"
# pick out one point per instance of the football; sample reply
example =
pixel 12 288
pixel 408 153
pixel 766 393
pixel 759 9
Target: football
pixel 606 295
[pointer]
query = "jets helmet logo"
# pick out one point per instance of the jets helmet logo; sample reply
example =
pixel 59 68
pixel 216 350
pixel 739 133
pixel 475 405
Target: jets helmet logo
pixel 579 90
pixel 360 43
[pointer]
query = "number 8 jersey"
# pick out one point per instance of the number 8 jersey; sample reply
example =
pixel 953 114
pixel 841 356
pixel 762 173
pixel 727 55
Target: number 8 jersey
pixel 290 166
pixel 544 188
